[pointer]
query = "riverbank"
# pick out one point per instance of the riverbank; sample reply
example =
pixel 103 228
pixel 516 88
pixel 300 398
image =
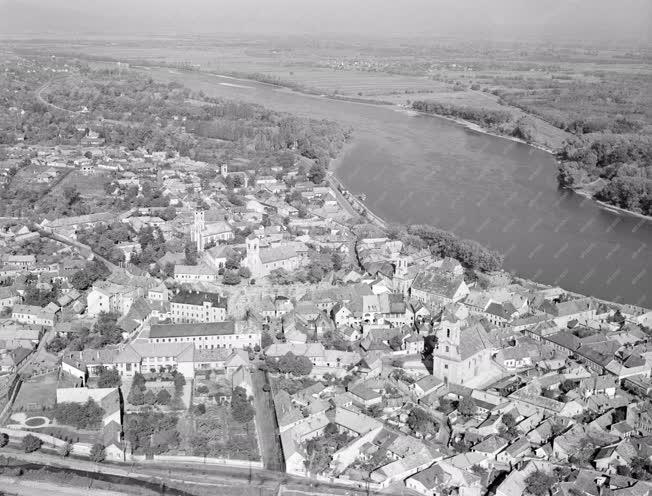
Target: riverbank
pixel 477 128
pixel 607 206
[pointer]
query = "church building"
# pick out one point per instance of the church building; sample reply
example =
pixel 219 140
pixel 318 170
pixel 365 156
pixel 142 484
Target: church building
pixel 203 232
pixel 261 261
pixel 463 351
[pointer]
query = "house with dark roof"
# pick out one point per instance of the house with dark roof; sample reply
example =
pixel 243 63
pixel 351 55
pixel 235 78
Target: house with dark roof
pixel 436 287
pixel 197 306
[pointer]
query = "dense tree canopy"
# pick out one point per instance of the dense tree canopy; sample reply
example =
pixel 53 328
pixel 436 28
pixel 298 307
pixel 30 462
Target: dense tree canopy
pixel 82 416
pixel 290 364
pixel 446 244
pixel 623 162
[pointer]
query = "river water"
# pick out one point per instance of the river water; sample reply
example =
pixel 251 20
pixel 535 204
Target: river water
pixel 503 194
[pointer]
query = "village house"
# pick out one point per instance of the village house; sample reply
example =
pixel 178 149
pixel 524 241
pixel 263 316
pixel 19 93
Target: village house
pixel 110 297
pixel 67 224
pixel 194 273
pixel 30 314
pixel 21 262
pixel 9 296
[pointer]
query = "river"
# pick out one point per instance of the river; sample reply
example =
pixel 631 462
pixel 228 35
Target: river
pixel 503 194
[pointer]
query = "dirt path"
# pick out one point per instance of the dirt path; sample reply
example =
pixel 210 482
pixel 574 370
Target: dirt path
pixel 39 96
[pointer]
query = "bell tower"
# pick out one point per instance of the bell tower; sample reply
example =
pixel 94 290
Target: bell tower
pixel 401 267
pixel 253 246
pixel 198 229
pixel 224 170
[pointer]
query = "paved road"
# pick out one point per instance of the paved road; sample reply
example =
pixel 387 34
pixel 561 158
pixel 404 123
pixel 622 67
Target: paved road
pixel 24 487
pixel 193 474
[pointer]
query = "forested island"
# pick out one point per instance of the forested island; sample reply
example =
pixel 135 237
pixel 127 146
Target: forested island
pixel 614 168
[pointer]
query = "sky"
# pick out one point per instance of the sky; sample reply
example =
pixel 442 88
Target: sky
pixel 591 20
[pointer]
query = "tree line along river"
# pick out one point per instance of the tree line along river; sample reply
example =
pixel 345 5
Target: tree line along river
pixel 503 194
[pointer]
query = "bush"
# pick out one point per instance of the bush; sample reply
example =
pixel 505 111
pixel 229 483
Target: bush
pixel 109 378
pixel 466 406
pixel 163 397
pixel 98 453
pixel 139 381
pixel 241 409
pixel 231 277
pixel 31 443
pixel 136 396
pixel 539 483
pixel 4 440
pixel 66 449
pixel 179 381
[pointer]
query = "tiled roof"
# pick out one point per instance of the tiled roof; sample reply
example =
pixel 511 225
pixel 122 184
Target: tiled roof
pixel 438 282
pixel 183 330
pixel 198 298
pixel 277 254
pixel 474 339
pixel 195 270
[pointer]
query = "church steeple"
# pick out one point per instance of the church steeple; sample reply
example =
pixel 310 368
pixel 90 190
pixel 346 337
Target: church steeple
pixel 198 229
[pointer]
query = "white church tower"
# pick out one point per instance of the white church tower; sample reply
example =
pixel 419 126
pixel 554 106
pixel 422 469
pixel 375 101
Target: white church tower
pixel 198 229
pixel 253 262
pixel 224 170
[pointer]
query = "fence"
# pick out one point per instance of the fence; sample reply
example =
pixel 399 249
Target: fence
pixel 84 449
pixel 200 459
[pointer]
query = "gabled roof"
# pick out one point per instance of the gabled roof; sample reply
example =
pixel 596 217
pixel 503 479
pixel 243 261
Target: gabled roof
pixel 189 330
pixel 438 282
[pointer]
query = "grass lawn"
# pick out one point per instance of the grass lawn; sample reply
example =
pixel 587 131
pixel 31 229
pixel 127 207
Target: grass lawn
pixel 35 396
pixel 33 422
pixel 69 433
pixel 86 184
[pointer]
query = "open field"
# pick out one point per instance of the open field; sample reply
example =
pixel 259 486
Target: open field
pixel 86 184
